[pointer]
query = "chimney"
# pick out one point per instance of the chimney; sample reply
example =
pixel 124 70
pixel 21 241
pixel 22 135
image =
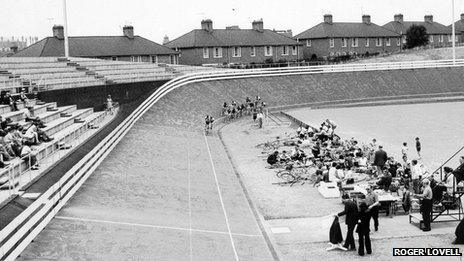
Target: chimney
pixel 328 18
pixel 58 32
pixel 258 25
pixel 428 18
pixel 398 18
pixel 207 25
pixel 128 31
pixel 366 19
pixel 165 39
pixel 462 17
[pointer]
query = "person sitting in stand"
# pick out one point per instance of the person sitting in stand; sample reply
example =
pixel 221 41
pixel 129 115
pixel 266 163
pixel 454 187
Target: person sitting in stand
pixel 31 136
pixel 29 155
pixel 14 141
pixel 8 100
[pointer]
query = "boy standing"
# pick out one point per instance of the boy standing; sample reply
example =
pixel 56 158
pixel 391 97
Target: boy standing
pixel 418 147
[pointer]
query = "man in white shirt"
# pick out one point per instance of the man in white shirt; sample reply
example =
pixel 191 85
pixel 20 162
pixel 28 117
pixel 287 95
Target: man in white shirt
pixel 416 174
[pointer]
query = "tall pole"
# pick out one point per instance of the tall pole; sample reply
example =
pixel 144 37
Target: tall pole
pixel 453 33
pixel 65 19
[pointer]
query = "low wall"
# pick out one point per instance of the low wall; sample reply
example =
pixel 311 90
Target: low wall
pixel 95 96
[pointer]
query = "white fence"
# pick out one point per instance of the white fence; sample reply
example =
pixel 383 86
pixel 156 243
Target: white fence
pixel 19 233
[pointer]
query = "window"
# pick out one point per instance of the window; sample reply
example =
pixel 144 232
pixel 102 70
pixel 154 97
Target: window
pixel 114 58
pixel 398 41
pixel 217 52
pixel 354 42
pixel 388 42
pixel 367 42
pixel 431 38
pixel 332 42
pixel 154 58
pixel 404 39
pixel 294 50
pixel 132 59
pixel 308 42
pixel 450 37
pixel 440 38
pixel 268 51
pixel 284 50
pixel 139 59
pixel 205 53
pixel 378 41
pixel 344 42
pixel 253 51
pixel 237 52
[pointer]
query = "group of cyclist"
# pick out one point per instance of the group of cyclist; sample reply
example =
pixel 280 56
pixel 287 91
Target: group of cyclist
pixel 249 107
pixel 234 110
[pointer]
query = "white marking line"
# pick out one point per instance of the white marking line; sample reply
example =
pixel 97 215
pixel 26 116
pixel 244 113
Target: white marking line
pixel 151 226
pixel 220 198
pixel 189 195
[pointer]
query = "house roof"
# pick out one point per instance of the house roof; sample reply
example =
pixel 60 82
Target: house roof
pixel 431 27
pixel 95 46
pixel 458 26
pixel 230 37
pixel 336 30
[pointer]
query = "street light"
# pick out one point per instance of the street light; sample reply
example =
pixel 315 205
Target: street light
pixel 65 18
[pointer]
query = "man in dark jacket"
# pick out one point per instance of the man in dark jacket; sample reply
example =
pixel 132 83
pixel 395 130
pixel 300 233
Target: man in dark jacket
pixel 380 158
pixel 459 234
pixel 351 212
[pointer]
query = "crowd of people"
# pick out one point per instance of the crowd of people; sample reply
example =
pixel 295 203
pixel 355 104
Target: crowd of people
pixel 337 160
pixel 18 140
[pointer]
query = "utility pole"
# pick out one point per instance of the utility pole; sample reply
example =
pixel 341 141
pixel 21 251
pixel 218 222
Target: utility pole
pixel 453 33
pixel 65 19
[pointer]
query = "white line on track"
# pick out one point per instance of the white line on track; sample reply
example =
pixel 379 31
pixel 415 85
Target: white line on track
pixel 152 226
pixel 189 195
pixel 220 198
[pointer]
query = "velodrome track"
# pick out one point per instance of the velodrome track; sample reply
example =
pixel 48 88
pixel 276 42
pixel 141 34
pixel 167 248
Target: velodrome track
pixel 167 192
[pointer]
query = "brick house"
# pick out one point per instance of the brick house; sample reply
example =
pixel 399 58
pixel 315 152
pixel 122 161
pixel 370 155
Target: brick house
pixel 128 47
pixel 234 45
pixel 439 34
pixel 459 28
pixel 329 39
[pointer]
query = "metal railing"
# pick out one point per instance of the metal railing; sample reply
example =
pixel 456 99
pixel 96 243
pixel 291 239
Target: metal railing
pixel 16 171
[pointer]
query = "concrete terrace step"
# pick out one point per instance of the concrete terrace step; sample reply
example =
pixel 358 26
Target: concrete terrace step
pixel 64 122
pixel 46 149
pixel 17 116
pixel 50 116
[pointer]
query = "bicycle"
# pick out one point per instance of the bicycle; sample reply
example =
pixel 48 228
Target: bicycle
pixel 295 175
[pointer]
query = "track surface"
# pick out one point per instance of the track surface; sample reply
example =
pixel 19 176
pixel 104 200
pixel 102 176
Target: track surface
pixel 162 194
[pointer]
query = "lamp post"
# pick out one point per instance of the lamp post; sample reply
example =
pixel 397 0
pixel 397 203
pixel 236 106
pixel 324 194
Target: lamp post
pixel 453 33
pixel 65 19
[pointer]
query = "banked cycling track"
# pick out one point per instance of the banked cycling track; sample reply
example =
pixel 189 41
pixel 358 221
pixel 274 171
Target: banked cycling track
pixel 163 192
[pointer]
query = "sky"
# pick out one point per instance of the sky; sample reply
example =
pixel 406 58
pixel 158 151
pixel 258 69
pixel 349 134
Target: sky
pixel 154 19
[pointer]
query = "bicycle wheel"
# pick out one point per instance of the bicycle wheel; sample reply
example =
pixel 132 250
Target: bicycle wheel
pixel 285 175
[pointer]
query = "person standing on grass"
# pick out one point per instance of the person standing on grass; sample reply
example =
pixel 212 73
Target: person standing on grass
pixel 380 158
pixel 418 147
pixel 351 212
pixel 426 204
pixel 416 175
pixel 373 203
pixel 404 152
pixel 363 230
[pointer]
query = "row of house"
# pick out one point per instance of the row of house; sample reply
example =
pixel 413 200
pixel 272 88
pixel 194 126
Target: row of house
pixel 232 45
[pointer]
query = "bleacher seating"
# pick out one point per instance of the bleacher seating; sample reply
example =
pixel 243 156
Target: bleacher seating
pixel 65 124
pixel 48 73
